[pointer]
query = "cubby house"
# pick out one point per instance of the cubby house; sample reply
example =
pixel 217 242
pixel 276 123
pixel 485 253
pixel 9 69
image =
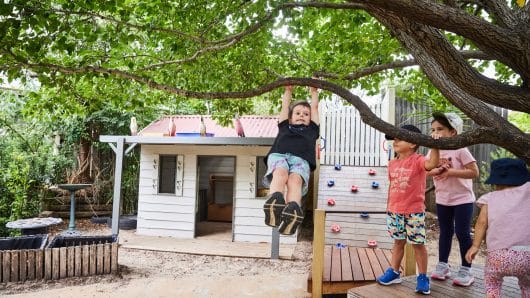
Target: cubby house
pixel 188 181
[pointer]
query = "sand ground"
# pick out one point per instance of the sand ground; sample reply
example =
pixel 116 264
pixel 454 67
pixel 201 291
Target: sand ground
pixel 167 274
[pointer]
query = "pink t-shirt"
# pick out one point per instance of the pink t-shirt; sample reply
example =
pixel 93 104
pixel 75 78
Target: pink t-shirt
pixel 454 191
pixel 508 217
pixel 406 193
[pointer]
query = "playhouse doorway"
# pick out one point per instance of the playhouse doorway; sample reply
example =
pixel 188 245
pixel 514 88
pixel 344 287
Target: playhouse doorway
pixel 215 200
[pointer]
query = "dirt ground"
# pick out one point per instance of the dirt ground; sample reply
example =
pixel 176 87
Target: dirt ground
pixel 165 274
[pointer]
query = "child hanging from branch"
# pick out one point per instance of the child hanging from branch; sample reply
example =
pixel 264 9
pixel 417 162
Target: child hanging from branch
pixel 290 161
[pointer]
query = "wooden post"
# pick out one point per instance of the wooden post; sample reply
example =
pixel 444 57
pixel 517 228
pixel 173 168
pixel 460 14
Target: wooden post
pixel 62 262
pixel 106 260
pixel 32 266
pixel 114 258
pixel 318 252
pixel 14 265
pixel 77 252
pixel 6 266
pixel 23 265
pixel 99 258
pixel 409 264
pixel 55 263
pixel 39 264
pixel 70 265
pixel 85 260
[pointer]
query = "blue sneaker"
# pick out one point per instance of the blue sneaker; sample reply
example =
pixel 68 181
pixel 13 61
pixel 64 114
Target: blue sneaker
pixel 390 277
pixel 422 284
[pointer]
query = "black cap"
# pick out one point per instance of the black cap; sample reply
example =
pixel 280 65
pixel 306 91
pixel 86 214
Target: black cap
pixel 408 127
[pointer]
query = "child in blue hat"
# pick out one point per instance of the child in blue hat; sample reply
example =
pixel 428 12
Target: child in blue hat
pixel 504 222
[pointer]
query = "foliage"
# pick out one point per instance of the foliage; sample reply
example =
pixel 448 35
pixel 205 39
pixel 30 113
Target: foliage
pixel 521 120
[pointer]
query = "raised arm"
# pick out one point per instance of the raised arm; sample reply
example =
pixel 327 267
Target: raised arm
pixel 432 162
pixel 286 101
pixel 315 117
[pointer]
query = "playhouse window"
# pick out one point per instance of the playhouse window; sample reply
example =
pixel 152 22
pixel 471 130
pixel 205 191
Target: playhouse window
pixel 168 170
pixel 261 169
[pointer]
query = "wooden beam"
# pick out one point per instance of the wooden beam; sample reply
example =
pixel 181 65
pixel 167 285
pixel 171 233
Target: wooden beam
pixel 409 261
pixel 318 252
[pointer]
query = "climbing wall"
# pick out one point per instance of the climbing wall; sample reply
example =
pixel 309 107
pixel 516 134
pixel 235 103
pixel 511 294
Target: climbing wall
pixel 362 190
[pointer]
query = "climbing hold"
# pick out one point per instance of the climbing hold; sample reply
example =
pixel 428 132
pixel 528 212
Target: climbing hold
pixel 331 182
pixel 375 184
pixel 331 202
pixel 335 228
pixel 354 188
pixel 372 243
pixel 340 245
pixel 371 172
pixel 338 167
pixel 364 214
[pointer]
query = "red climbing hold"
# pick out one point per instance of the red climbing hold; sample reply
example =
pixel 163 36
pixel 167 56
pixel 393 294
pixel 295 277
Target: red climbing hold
pixel 354 188
pixel 371 172
pixel 331 202
pixel 372 243
pixel 335 228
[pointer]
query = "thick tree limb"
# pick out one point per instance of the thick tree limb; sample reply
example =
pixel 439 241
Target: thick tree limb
pixel 508 45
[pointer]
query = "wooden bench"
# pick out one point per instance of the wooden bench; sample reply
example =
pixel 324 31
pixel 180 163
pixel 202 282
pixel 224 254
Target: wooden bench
pixel 442 289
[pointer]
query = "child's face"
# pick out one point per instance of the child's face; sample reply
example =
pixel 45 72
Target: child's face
pixel 301 115
pixel 403 147
pixel 442 131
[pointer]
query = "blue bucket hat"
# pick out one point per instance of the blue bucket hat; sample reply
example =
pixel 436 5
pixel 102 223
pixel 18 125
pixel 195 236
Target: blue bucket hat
pixel 508 171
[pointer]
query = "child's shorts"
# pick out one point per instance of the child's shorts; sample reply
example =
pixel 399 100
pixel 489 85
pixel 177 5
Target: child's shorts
pixel 292 163
pixel 406 226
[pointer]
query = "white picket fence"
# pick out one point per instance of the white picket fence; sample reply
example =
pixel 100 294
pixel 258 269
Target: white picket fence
pixel 347 140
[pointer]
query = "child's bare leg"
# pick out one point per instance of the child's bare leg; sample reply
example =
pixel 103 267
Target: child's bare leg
pixel 294 189
pixel 397 254
pixel 279 180
pixel 420 252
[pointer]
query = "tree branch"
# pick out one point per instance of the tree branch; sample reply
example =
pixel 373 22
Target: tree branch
pixel 393 65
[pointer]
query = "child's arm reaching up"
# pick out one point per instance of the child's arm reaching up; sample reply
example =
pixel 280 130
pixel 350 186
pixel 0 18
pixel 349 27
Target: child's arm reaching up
pixel 480 233
pixel 286 101
pixel 315 117
pixel 432 162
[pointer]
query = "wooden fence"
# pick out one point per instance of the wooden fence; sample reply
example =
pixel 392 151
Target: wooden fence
pixel 58 263
pixel 348 141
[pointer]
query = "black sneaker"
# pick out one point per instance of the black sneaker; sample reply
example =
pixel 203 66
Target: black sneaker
pixel 273 209
pixel 292 217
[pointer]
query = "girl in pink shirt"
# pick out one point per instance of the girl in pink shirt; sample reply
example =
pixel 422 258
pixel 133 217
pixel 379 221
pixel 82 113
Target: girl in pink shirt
pixel 453 181
pixel 504 222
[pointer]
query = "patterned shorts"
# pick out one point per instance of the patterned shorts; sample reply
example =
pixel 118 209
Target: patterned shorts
pixel 406 226
pixel 292 163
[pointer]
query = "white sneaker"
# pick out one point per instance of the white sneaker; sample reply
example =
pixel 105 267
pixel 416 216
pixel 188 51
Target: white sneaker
pixel 441 272
pixel 464 277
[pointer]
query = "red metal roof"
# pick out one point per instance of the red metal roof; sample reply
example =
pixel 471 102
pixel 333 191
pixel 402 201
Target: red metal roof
pixel 253 126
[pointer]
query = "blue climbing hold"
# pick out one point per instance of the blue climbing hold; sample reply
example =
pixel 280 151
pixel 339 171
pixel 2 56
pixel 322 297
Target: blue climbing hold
pixel 331 182
pixel 375 184
pixel 365 214
pixel 338 167
pixel 340 245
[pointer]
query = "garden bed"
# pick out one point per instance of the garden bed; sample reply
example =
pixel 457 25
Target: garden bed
pixel 64 257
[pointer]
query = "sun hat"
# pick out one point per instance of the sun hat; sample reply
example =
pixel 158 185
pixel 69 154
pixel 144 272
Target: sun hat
pixel 408 127
pixel 453 119
pixel 508 171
